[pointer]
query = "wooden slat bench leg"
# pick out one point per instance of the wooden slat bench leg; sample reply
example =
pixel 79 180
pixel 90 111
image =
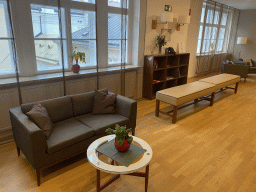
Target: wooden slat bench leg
pixel 157 108
pixel 212 99
pixel 38 176
pixel 18 150
pixel 174 116
pixel 236 87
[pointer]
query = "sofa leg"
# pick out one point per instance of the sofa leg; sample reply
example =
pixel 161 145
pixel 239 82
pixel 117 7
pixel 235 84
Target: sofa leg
pixel 133 132
pixel 38 174
pixel 244 79
pixel 18 150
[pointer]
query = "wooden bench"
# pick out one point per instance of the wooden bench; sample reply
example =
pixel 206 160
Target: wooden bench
pixel 196 91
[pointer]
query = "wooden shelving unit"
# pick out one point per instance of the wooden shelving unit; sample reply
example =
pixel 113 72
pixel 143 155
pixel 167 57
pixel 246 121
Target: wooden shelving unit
pixel 164 71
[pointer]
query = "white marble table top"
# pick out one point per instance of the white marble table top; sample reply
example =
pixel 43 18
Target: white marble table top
pixel 92 156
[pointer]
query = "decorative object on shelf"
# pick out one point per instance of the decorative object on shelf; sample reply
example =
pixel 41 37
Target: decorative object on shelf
pixel 122 140
pixel 160 41
pixel 155 64
pixel 169 50
pixel 182 20
pixel 76 55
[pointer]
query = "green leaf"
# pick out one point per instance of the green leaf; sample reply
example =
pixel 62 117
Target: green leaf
pixel 130 139
pixel 109 131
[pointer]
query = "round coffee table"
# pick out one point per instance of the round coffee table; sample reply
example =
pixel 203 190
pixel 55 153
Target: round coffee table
pixel 100 165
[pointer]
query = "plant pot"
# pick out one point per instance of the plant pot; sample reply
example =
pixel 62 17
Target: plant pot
pixel 75 68
pixel 160 50
pixel 124 147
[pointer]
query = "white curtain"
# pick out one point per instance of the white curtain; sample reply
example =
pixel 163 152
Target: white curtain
pixel 216 36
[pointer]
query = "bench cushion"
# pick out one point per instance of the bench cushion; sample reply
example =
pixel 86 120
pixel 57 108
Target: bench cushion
pixel 66 133
pixel 100 123
pixel 222 80
pixel 185 93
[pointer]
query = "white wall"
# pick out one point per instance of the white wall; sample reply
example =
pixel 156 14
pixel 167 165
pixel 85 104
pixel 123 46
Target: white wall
pixel 193 30
pixel 246 28
pixel 155 8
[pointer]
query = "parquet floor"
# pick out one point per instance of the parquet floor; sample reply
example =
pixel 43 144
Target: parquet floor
pixel 209 149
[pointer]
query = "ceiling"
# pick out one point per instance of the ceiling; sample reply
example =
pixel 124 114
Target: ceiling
pixel 239 4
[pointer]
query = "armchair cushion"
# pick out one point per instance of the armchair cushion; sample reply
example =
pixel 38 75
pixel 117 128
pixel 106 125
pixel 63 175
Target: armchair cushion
pixel 100 123
pixel 66 133
pixel 249 61
pixel 38 114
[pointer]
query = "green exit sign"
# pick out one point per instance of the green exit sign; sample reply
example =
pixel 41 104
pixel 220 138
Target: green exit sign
pixel 168 8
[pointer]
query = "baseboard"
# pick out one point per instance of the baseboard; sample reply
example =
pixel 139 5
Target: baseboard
pixel 6 135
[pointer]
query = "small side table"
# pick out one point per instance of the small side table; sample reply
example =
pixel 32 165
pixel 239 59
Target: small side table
pixel 92 156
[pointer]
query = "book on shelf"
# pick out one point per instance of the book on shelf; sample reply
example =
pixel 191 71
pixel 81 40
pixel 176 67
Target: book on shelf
pixel 156 81
pixel 169 77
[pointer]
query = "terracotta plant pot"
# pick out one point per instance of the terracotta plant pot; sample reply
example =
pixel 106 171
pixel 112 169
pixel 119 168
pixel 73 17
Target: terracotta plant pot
pixel 75 68
pixel 124 147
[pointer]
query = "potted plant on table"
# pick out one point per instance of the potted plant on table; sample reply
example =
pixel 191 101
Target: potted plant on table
pixel 76 55
pixel 122 140
pixel 160 41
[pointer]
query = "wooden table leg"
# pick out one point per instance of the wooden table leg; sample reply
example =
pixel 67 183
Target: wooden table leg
pixel 236 87
pixel 146 178
pixel 212 99
pixel 157 108
pixel 98 180
pixel 174 116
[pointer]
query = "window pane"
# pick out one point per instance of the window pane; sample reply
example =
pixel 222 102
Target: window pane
pixel 206 46
pixel 222 33
pixel 4 21
pixel 45 21
pixel 198 46
pixel 200 32
pixel 202 15
pixel 6 57
pixel 83 24
pixel 114 26
pixel 86 1
pixel 89 48
pixel 216 17
pixel 118 3
pixel 48 54
pixel 220 45
pixel 114 51
pixel 224 19
pixel 209 18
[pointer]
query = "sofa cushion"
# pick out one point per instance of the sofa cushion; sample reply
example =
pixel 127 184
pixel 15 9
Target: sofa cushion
pixel 66 133
pixel 249 61
pixel 101 122
pixel 252 70
pixel 254 62
pixel 58 108
pixel 38 114
pixel 83 103
pixel 104 103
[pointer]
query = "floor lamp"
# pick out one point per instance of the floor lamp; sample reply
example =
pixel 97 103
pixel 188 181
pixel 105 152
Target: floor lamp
pixel 241 41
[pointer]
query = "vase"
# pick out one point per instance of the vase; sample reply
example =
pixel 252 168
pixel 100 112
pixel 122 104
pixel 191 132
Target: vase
pixel 160 50
pixel 75 68
pixel 124 147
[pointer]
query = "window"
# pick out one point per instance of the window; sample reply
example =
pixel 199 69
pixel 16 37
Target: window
pixel 6 55
pixel 214 29
pixel 118 3
pixel 86 1
pixel 84 35
pixel 117 36
pixel 47 37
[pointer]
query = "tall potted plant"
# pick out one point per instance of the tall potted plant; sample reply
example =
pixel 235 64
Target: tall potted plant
pixel 160 41
pixel 122 140
pixel 76 55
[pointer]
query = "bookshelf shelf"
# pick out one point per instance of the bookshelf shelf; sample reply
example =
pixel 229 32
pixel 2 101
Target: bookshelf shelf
pixel 164 71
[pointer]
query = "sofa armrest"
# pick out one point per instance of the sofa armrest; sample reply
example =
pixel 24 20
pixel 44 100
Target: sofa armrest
pixel 28 136
pixel 128 108
pixel 237 69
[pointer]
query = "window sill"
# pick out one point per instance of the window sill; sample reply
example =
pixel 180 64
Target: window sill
pixel 210 54
pixel 8 83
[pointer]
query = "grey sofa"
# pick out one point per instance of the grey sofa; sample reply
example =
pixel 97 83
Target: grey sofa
pixel 252 69
pixel 238 68
pixel 74 128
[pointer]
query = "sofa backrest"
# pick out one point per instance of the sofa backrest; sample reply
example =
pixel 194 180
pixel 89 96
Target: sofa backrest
pixel 83 103
pixel 58 108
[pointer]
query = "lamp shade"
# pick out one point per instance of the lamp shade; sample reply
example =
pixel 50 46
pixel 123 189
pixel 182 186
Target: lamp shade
pixel 167 17
pixel 184 19
pixel 241 40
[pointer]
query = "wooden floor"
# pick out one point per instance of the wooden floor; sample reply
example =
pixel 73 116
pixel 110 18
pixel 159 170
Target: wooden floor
pixel 208 149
